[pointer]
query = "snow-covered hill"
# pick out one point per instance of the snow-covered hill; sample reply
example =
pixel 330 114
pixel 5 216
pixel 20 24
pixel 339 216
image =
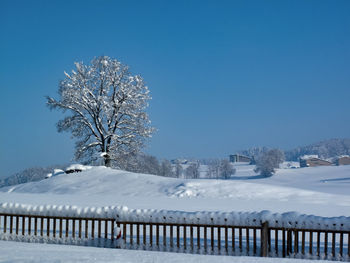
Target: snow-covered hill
pixel 320 191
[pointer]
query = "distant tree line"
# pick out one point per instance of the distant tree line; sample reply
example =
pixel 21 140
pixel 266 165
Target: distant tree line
pixel 29 175
pixel 148 164
pixel 324 149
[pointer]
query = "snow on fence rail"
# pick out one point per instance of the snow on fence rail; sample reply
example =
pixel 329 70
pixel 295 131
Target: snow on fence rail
pixel 257 234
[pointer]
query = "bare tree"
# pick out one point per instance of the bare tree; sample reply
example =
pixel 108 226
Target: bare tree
pixel 226 169
pixel 166 168
pixel 107 110
pixel 213 169
pixel 178 170
pixel 192 171
pixel 268 161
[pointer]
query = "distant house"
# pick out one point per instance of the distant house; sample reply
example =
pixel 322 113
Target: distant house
pixel 237 158
pixel 312 161
pixel 343 160
pixel 179 161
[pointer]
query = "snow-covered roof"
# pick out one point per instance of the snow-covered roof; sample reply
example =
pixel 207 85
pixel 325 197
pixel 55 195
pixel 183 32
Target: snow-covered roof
pixel 309 156
pixel 342 156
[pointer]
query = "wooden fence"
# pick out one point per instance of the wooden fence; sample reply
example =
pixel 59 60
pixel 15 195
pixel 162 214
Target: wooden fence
pixel 224 239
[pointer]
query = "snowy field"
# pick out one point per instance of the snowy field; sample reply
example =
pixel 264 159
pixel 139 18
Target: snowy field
pixel 322 191
pixel 26 252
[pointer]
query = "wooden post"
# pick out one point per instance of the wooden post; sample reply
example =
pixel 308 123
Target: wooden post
pixel 73 228
pixel 67 227
pixel 318 242
pixel 311 242
pixel 157 235
pixel 276 241
pixel 198 237
pixel 296 241
pixel 247 239
pixel 191 237
pixel 29 225
pixel 138 234
pixel 264 239
pixel 171 236
pixel 219 239
pixel 106 229
pixel 54 228
pixel 341 244
pixel 79 228
pixel 35 226
pixel 23 225
pixel 289 242
pixel 144 234
pixel 61 227
pixel 5 224
pixel 151 234
pixel 240 238
pixel 99 228
pixel 178 236
pixel 93 229
pixel 47 226
pixel 233 239
pixel 303 242
pixel 41 226
pixel 164 235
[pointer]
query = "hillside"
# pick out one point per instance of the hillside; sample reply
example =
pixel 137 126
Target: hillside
pixel 320 191
pixel 324 149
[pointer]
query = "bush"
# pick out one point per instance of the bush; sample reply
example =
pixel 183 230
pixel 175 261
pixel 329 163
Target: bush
pixel 268 162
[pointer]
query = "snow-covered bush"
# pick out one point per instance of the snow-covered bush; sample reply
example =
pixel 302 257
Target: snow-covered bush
pixel 269 161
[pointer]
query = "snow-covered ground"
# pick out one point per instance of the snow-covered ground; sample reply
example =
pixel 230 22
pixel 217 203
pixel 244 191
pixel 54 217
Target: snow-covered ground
pixel 320 191
pixel 26 252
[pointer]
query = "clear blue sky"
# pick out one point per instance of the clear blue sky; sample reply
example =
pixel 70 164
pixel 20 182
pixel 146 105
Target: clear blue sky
pixel 224 75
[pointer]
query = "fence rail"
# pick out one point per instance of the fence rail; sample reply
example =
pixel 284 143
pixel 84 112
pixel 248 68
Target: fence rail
pixel 222 239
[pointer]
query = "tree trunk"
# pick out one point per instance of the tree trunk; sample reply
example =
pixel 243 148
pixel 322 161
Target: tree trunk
pixel 107 161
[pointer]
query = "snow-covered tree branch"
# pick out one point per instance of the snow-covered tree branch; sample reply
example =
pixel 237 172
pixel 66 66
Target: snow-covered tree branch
pixel 106 106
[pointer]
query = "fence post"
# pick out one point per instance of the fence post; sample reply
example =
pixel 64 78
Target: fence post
pixel 264 239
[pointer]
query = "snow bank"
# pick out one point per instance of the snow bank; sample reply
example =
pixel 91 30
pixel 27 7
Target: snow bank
pixel 123 213
pixel 28 252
